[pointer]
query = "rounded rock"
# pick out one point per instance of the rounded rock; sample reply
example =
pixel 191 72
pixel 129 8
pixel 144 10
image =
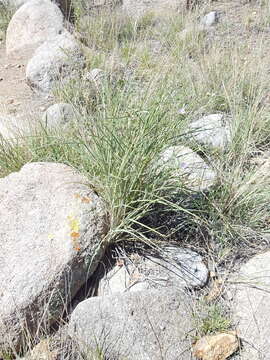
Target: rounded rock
pixel 185 165
pixel 55 60
pixel 58 115
pixel 33 23
pixel 212 130
pixel 173 267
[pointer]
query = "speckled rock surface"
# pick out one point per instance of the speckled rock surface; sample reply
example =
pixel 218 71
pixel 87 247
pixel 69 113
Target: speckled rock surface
pixel 51 228
pixel 144 325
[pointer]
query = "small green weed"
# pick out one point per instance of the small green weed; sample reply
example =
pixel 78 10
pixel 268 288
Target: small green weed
pixel 211 319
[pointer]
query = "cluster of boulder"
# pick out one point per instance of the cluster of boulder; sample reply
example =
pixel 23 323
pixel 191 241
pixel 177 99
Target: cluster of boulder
pixel 53 52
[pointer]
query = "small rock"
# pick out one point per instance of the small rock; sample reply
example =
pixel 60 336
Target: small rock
pixel 210 19
pixel 58 115
pixel 211 130
pixel 216 347
pixel 173 267
pixel 33 23
pixel 185 165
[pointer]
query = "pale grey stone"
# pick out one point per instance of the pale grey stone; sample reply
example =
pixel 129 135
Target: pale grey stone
pixel 185 165
pixel 212 130
pixel 51 229
pixel 144 325
pixel 53 61
pixel 57 115
pixel 174 267
pixel 251 311
pixel 210 19
pixel 33 23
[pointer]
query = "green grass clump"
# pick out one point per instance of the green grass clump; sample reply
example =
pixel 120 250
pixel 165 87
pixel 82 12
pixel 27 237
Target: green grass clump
pixel 136 112
pixel 106 30
pixel 6 12
pixel 215 321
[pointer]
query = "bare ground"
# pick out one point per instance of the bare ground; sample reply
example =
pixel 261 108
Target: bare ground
pixel 17 100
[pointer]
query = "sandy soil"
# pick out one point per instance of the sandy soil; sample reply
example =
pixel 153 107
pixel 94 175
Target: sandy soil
pixel 17 100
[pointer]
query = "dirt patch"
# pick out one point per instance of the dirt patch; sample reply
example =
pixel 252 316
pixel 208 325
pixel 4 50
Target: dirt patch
pixel 17 99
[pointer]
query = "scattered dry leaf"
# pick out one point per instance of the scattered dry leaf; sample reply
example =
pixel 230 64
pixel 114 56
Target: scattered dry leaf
pixel 216 290
pixel 42 352
pixel 86 200
pixel 216 347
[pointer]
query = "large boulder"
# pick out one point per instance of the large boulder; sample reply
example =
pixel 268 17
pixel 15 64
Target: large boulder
pixel 171 266
pixel 52 225
pixel 144 325
pixel 53 61
pixel 33 23
pixel 185 166
pixel 251 309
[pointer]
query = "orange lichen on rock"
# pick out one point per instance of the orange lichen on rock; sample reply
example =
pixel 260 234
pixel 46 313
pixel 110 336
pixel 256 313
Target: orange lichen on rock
pixel 74 234
pixel 83 199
